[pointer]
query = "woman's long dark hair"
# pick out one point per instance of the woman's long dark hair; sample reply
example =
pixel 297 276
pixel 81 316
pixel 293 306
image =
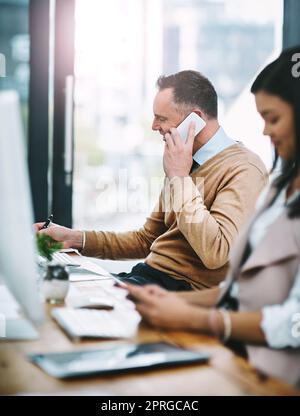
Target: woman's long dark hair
pixel 282 78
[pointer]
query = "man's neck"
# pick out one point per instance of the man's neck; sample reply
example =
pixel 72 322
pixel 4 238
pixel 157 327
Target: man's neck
pixel 212 126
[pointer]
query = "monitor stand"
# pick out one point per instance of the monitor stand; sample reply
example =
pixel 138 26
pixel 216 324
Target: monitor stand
pixel 13 326
pixel 19 329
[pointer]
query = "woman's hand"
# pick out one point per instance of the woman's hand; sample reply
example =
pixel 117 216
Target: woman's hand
pixel 166 309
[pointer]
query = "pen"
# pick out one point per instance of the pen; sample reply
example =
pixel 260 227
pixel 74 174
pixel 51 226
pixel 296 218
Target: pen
pixel 48 222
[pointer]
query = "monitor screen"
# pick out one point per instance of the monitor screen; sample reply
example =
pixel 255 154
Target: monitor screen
pixel 17 245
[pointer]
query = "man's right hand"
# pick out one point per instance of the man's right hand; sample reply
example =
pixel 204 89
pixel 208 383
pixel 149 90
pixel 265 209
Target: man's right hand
pixel 70 238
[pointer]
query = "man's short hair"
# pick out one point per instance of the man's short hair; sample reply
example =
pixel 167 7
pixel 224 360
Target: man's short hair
pixel 190 89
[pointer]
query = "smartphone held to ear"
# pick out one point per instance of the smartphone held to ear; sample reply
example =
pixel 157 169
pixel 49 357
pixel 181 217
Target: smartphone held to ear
pixel 183 127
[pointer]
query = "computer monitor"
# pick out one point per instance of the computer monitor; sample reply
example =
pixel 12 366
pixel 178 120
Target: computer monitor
pixel 18 267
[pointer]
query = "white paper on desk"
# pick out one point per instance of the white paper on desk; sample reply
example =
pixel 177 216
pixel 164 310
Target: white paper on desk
pixel 84 277
pixel 88 266
pixel 70 250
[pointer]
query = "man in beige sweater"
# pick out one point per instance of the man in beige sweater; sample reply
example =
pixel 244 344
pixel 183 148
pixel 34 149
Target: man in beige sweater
pixel 211 186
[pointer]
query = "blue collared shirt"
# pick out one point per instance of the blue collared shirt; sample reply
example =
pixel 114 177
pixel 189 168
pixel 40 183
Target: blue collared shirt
pixel 219 142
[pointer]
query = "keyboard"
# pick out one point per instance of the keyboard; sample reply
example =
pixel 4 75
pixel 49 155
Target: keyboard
pixel 65 259
pixel 86 323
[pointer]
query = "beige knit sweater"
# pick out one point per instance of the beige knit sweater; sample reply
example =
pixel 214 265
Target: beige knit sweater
pixel 191 230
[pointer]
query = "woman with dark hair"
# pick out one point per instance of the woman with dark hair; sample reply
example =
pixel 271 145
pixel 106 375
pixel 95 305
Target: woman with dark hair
pixel 258 305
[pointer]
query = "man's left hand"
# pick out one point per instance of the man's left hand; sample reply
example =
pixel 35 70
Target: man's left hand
pixel 178 156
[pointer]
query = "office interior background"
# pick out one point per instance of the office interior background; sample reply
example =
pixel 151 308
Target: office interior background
pixel 112 52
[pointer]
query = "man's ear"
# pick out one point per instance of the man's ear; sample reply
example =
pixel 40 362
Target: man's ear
pixel 201 114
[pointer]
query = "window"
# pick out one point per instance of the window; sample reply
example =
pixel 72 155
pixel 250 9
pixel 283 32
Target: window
pixel 120 50
pixel 14 46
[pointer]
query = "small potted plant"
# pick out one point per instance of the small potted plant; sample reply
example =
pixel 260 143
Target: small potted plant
pixel 55 275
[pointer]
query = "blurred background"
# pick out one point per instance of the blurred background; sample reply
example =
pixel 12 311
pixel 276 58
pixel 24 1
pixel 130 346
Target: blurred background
pixel 94 161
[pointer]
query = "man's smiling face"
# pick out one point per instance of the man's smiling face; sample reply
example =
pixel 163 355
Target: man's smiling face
pixel 166 114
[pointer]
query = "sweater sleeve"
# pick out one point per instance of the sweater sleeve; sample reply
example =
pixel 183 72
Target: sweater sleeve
pixel 126 245
pixel 212 232
pixel 281 323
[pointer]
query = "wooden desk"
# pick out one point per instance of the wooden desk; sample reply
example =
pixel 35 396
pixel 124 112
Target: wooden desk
pixel 226 374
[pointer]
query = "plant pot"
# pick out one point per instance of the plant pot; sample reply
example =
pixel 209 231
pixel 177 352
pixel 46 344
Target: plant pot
pixel 55 283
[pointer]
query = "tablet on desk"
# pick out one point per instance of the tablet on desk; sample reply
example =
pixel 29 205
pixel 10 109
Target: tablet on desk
pixel 122 358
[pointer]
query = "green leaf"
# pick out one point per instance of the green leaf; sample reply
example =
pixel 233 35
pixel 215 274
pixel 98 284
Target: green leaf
pixel 47 246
